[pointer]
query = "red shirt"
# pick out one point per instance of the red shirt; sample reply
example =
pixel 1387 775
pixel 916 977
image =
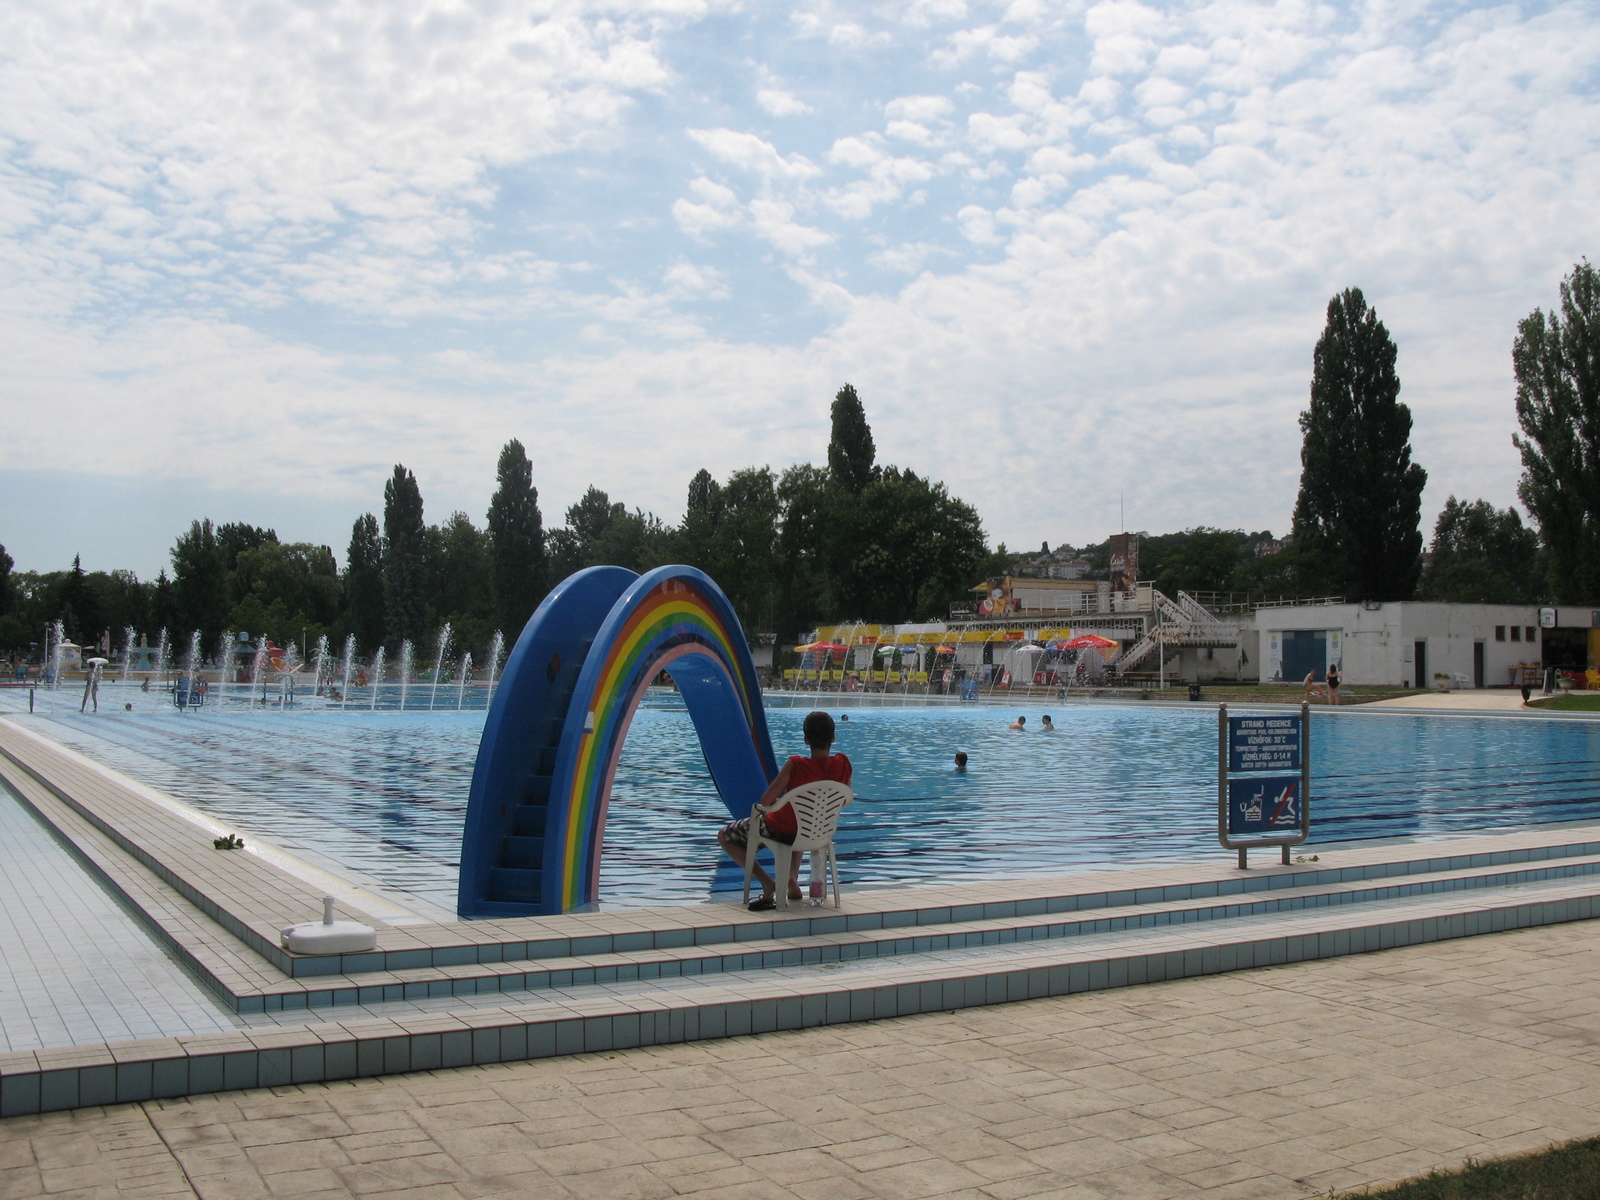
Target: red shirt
pixel 804 770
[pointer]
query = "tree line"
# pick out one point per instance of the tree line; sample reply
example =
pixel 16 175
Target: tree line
pixel 851 539
pixel 792 548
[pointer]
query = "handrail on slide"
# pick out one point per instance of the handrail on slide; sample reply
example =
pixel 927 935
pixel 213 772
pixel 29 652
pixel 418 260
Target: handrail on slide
pixel 536 813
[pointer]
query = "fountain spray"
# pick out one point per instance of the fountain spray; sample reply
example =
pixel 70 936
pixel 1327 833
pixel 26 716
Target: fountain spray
pixel 349 657
pixel 127 653
pixel 256 663
pixel 320 660
pixel 161 656
pixel 224 657
pixel 407 652
pixel 58 634
pixel 497 645
pixel 191 660
pixel 438 662
pixel 466 670
pixel 377 678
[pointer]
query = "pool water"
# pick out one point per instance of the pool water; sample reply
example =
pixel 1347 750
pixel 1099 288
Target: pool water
pixel 382 796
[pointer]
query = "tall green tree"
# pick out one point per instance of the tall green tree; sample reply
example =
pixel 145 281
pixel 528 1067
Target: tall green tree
pixel 303 577
pixel 602 532
pixel 804 591
pixel 6 563
pixel 701 515
pixel 851 454
pixel 363 584
pixel 1482 555
pixel 516 541
pixel 163 607
pixel 742 550
pixel 1556 358
pixel 200 584
pixel 235 538
pixel 78 605
pixel 1195 560
pixel 1358 515
pixel 913 549
pixel 404 565
pixel 461 582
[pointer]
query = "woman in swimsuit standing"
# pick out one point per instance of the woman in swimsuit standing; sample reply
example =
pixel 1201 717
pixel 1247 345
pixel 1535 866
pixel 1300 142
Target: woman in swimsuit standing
pixel 1333 684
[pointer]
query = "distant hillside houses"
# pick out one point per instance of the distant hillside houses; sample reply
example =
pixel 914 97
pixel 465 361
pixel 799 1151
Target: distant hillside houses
pixel 1064 562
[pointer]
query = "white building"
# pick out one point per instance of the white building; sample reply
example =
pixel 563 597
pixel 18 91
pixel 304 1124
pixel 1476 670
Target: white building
pixel 1412 643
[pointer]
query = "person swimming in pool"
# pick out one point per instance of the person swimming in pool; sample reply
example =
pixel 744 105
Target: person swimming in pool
pixel 1020 724
pixel 1049 725
pixel 961 762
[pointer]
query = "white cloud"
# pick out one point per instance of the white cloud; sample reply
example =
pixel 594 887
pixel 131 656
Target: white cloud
pixel 240 136
pixel 782 104
pixel 384 234
pixel 751 153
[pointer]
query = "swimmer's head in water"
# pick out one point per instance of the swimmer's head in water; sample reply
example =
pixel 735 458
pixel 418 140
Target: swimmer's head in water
pixel 961 760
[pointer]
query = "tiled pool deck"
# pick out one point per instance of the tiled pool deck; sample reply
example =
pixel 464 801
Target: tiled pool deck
pixel 1275 1084
pixel 229 1010
pixel 141 990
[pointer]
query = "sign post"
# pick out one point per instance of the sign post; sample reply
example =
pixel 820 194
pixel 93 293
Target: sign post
pixel 1263 781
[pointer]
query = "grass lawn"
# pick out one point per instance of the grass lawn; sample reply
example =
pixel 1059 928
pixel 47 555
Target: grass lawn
pixel 1582 702
pixel 1569 1172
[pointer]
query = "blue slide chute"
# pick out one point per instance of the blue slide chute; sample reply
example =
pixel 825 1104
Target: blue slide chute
pixel 541 786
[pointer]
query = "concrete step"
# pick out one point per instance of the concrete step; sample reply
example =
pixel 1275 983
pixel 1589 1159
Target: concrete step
pixel 385 1038
pixel 839 945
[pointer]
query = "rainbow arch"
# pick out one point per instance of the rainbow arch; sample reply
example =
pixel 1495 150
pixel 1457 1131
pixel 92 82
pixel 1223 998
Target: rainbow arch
pixel 542 782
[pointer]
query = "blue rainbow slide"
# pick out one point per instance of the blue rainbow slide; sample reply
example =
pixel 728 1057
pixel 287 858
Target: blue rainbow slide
pixel 537 810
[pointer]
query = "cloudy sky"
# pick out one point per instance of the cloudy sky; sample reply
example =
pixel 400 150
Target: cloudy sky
pixel 253 255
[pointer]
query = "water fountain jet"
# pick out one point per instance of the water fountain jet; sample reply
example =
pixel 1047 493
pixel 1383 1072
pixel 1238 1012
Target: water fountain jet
pixel 497 645
pixel 349 658
pixel 438 662
pixel 321 664
pixel 58 634
pixel 407 653
pixel 377 678
pixel 224 657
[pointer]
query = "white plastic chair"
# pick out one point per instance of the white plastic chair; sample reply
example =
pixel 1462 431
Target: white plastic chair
pixel 816 811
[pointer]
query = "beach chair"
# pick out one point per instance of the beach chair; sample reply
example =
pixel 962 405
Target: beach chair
pixel 816 811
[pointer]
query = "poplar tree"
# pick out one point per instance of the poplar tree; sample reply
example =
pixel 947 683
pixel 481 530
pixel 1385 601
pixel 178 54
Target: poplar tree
pixel 851 453
pixel 200 583
pixel 1357 521
pixel 363 583
pixel 404 579
pixel 516 541
pixel 1557 363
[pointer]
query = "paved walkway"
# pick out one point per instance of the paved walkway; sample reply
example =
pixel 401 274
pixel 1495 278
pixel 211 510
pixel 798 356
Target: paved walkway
pixel 1472 700
pixel 1283 1082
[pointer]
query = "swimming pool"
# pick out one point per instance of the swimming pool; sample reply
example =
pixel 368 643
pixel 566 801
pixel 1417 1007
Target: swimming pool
pixel 381 796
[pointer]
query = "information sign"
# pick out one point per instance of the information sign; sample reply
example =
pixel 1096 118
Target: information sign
pixel 1264 805
pixel 1263 781
pixel 1270 743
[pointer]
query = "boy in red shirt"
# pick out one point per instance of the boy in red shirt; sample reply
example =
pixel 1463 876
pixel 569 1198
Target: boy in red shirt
pixel 780 826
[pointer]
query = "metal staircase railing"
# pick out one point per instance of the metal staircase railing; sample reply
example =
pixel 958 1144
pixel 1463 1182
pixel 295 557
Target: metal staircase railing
pixel 1178 622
